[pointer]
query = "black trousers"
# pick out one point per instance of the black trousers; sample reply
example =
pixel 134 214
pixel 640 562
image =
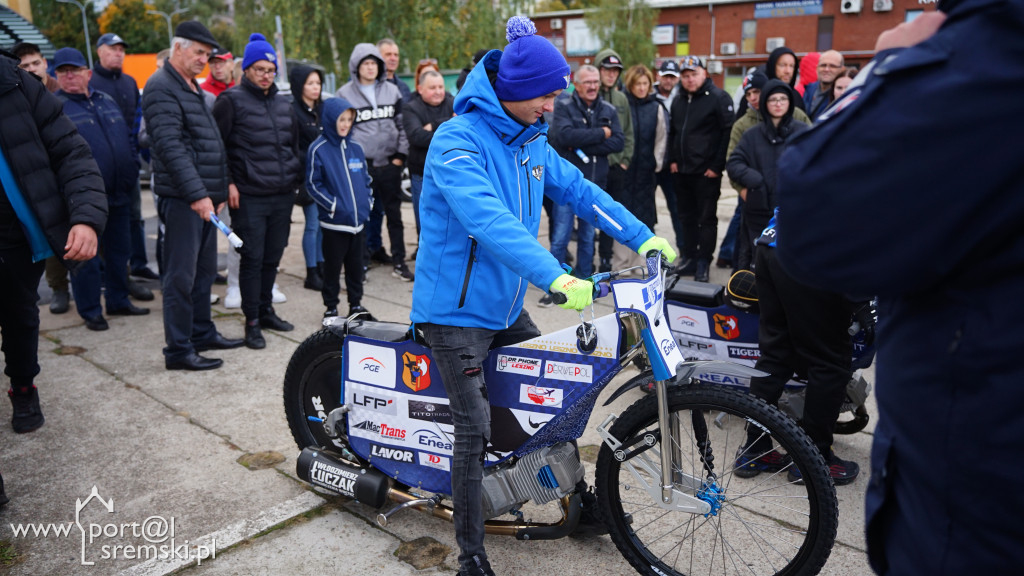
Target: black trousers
pixel 617 190
pixel 804 331
pixel 697 202
pixel 343 249
pixel 387 188
pixel 188 267
pixel 263 224
pixel 19 314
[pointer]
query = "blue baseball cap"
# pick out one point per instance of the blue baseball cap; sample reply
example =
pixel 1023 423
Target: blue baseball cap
pixel 110 39
pixel 69 57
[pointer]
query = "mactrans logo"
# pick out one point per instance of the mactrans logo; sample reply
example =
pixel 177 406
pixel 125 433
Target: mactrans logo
pixel 108 537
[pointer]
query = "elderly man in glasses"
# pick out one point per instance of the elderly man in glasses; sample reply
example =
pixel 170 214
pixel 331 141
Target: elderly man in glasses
pixel 818 95
pixel 261 135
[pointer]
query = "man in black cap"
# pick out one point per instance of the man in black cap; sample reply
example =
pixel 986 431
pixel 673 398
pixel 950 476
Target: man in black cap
pixel 108 77
pixel 191 183
pixel 702 116
pixel 609 65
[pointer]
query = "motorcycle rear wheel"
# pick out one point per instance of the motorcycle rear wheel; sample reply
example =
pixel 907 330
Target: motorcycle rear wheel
pixel 312 387
pixel 766 525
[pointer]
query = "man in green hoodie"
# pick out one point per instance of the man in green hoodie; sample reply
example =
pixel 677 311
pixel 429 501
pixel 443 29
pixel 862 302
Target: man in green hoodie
pixel 609 63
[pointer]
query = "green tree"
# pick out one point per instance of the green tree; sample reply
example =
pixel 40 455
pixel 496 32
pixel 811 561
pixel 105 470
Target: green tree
pixel 625 26
pixel 144 33
pixel 62 23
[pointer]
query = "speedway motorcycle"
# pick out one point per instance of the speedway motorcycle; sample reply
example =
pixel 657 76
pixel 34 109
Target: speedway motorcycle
pixel 366 405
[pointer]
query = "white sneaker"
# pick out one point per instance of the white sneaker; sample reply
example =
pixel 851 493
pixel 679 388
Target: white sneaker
pixel 233 299
pixel 214 298
pixel 278 296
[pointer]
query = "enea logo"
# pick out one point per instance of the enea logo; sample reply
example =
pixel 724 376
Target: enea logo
pixel 371 428
pixel 727 327
pixel 376 402
pixel 373 365
pixel 432 440
pixel 567 371
pixel 435 461
pixel 519 365
pixel 540 396
pixel 667 346
pixel 688 320
pixel 430 412
pixel 744 353
pixel 388 453
pixel 416 371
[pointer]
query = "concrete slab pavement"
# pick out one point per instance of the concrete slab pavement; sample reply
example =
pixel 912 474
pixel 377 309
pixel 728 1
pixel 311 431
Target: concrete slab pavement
pixel 166 444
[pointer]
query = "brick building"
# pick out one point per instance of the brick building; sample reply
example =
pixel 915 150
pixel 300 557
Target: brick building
pixel 733 35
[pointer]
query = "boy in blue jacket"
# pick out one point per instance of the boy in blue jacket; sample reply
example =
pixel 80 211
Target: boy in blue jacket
pixel 339 183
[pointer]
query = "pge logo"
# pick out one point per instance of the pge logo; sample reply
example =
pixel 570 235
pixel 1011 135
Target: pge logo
pixel 432 440
pixel 727 327
pixel 371 364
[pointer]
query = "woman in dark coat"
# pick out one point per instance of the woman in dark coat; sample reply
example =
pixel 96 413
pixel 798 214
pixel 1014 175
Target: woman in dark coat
pixel 306 82
pixel 650 132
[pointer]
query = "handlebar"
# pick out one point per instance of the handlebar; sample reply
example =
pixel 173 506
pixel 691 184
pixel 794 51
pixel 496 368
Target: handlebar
pixel 601 280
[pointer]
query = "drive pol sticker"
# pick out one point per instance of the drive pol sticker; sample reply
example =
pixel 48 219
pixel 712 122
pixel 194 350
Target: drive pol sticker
pixel 568 371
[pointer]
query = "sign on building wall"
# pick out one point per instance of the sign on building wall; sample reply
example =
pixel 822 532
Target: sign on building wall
pixel 664 34
pixel 787 8
pixel 579 40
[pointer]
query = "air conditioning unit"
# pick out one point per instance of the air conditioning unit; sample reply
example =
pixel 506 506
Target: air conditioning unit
pixel 850 6
pixel 773 43
pixel 714 66
pixel 556 23
pixel 727 48
pixel 883 5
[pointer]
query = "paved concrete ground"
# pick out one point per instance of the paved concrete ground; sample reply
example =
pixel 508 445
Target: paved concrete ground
pixel 163 450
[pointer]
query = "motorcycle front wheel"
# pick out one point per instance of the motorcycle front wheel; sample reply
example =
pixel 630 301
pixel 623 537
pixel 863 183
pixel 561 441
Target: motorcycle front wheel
pixel 766 525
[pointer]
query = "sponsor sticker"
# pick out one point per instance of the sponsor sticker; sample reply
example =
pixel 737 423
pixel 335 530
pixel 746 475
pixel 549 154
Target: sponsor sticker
pixel 435 461
pixel 519 365
pixel 529 421
pixel 688 320
pixel 371 429
pixel 430 412
pixel 727 327
pixel 390 453
pixel 416 371
pixel 540 395
pixel 568 371
pixel 744 353
pixel 374 365
pixel 430 440
pixel 382 403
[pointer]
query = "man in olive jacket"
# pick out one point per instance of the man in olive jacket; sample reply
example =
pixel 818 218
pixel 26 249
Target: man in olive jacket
pixel 52 202
pixel 191 182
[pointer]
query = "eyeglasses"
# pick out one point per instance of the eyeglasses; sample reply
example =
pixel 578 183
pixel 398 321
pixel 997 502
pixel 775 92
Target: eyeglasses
pixel 428 61
pixel 71 71
pixel 270 72
pixel 778 100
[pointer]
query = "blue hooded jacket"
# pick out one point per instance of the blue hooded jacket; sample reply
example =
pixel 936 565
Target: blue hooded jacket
pixel 336 174
pixel 480 211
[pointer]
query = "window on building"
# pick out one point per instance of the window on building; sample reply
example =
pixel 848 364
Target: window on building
pixel 911 14
pixel 749 37
pixel 683 33
pixel 825 33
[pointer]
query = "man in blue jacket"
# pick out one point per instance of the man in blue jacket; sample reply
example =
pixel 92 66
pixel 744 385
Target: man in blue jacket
pixel 99 121
pixel 903 191
pixel 486 173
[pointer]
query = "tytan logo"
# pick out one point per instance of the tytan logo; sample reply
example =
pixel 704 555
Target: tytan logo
pixel 538 172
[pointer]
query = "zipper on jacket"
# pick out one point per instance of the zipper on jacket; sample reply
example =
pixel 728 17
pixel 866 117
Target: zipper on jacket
pixel 529 190
pixel 351 190
pixel 469 271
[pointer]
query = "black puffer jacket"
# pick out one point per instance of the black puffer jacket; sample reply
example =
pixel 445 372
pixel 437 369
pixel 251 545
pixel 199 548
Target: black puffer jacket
pixel 308 118
pixel 189 162
pixel 261 134
pixel 754 161
pixel 699 131
pixel 417 114
pixel 50 161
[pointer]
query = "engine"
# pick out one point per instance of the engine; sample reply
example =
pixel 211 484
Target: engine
pixel 541 476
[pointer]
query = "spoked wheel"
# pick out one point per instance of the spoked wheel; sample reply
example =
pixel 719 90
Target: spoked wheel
pixel 312 387
pixel 764 525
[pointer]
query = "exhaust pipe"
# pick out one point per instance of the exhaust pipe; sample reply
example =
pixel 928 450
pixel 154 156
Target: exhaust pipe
pixel 327 470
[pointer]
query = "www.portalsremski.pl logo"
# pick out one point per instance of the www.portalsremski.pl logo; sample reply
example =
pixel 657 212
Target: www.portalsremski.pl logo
pixel 118 540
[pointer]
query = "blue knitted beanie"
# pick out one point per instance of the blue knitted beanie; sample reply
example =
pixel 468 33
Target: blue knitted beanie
pixel 258 49
pixel 530 65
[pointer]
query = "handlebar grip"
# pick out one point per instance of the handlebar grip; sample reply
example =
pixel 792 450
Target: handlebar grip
pixel 558 298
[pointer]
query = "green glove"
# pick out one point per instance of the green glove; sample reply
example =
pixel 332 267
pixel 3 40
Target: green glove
pixel 657 243
pixel 578 293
